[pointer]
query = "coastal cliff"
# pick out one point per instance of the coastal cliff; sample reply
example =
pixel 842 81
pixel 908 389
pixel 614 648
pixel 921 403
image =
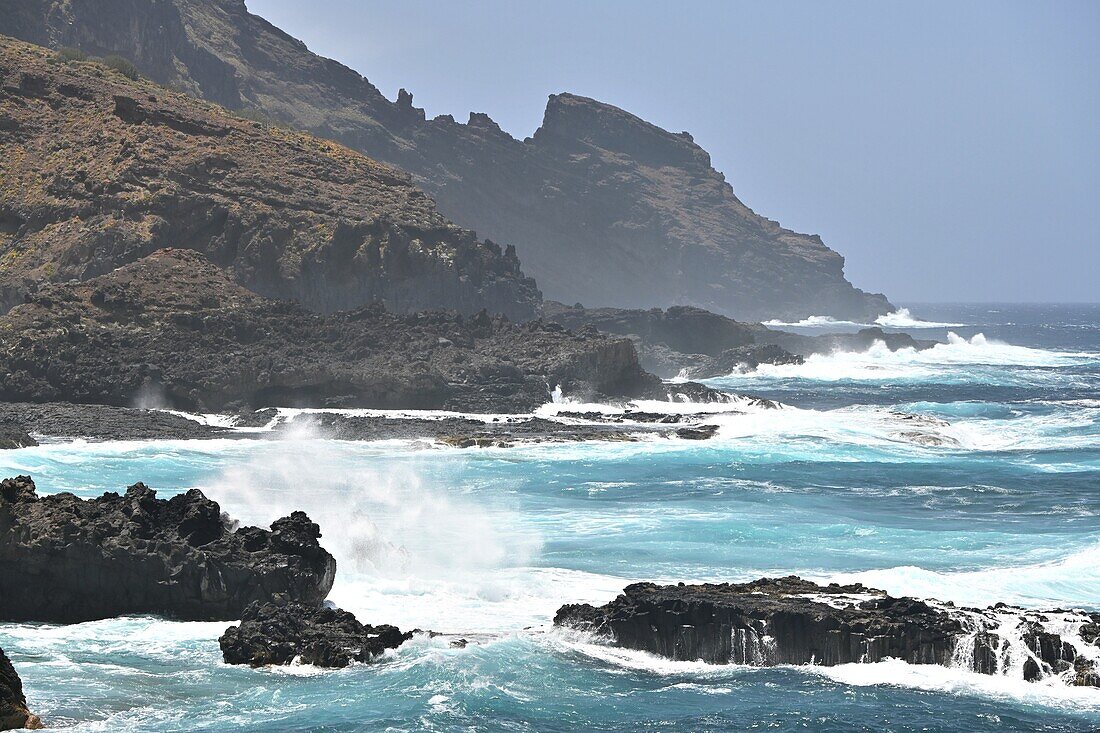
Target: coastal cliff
pixel 603 207
pixel 99 170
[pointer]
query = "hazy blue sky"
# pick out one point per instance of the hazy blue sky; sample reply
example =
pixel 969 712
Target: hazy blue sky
pixel 951 151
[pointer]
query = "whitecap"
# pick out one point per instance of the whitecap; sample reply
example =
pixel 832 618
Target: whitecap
pixel 902 318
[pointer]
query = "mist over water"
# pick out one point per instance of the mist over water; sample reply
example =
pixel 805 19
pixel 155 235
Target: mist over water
pixel 967 473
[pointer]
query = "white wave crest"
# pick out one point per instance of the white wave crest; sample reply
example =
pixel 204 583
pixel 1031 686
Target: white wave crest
pixel 902 318
pixel 817 322
pixel 879 363
pixel 955 681
pixel 1069 581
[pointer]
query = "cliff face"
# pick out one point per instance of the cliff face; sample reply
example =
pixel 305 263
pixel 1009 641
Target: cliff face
pixel 603 207
pixel 99 170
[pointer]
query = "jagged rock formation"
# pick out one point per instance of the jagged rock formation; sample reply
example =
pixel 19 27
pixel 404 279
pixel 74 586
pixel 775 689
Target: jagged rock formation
pixel 603 207
pixel 789 620
pixel 173 330
pixel 99 170
pixel 68 560
pixel 271 633
pixel 13 703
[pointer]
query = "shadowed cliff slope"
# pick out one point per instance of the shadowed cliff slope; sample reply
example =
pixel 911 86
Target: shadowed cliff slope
pixel 99 170
pixel 603 207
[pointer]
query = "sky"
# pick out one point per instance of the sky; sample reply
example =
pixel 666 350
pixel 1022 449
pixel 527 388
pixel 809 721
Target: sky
pixel 949 150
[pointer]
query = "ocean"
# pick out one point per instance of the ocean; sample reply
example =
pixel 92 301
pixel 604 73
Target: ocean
pixel 969 472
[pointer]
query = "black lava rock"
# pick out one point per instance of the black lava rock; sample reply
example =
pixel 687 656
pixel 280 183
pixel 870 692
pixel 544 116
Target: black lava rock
pixel 67 559
pixel 270 633
pixel 13 704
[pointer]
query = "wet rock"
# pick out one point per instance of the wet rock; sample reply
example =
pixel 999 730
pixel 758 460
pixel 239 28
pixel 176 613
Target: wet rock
pixel 13 703
pixel 68 560
pixel 794 621
pixel 701 432
pixel 277 634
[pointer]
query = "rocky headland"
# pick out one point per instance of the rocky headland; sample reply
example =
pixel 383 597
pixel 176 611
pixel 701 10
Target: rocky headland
pixel 174 330
pixel 279 634
pixel 603 207
pixel 100 169
pixel 13 703
pixel 789 620
pixel 684 341
pixel 68 560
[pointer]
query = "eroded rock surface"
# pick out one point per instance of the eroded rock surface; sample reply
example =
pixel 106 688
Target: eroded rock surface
pixel 789 620
pixel 271 633
pixel 68 559
pixel 13 703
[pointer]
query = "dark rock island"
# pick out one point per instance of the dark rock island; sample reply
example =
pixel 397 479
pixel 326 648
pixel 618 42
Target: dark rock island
pixel 789 620
pixel 68 560
pixel 279 634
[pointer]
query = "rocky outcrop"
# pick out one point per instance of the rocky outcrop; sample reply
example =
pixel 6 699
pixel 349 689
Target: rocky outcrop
pixel 603 207
pixel 827 343
pixel 789 620
pixel 68 560
pixel 100 170
pixel 278 634
pixel 13 703
pixel 14 436
pixel 681 341
pixel 172 330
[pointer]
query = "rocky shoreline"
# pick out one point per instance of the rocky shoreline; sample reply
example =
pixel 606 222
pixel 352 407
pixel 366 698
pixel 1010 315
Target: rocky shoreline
pixel 68 560
pixel 774 621
pixel 62 421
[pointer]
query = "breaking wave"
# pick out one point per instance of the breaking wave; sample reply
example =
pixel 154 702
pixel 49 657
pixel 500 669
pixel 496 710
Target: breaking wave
pixel 899 319
pixel 1069 581
pixel 880 363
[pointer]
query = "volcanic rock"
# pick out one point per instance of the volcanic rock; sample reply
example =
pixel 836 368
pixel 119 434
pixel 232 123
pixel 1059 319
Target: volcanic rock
pixel 603 207
pixel 13 436
pixel 13 703
pixel 789 620
pixel 173 330
pixel 830 342
pixel 68 559
pixel 680 341
pixel 99 170
pixel 271 633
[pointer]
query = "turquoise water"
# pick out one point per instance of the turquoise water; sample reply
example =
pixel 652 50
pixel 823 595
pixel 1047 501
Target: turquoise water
pixel 840 484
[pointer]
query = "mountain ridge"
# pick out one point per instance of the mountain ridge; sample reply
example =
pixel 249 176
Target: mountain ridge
pixel 100 170
pixel 603 207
